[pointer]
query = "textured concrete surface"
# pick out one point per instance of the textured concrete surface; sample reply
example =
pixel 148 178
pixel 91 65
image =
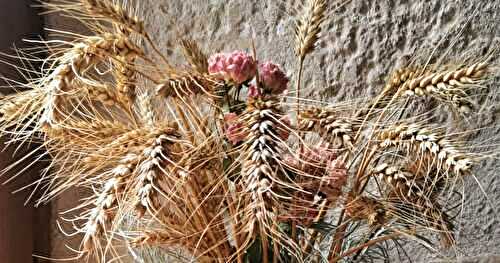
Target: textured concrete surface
pixel 363 41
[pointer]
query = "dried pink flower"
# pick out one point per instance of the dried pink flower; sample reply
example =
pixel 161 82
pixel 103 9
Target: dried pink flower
pixel 326 177
pixel 320 154
pixel 240 66
pixel 237 67
pixel 217 65
pixel 233 128
pixel 273 77
pixel 337 173
pixel 253 92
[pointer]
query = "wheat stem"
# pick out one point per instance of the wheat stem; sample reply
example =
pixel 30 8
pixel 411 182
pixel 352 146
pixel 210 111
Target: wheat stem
pixel 360 247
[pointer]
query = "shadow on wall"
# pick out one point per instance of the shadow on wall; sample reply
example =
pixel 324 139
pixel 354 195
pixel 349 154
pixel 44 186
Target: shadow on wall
pixel 24 230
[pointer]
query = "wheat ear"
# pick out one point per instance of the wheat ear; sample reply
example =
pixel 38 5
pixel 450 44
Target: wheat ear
pixel 125 78
pixel 307 29
pixel 332 128
pixel 157 160
pixel 68 75
pixel 194 55
pixel 101 216
pixel 82 155
pixel 393 84
pixel 81 130
pixel 17 110
pixel 366 208
pixel 413 137
pixel 308 26
pixel 116 12
pixel 261 168
pixel 189 84
pixel 450 86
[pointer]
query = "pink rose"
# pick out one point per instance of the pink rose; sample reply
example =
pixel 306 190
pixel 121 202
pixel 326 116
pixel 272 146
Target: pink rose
pixel 272 77
pixel 233 128
pixel 237 66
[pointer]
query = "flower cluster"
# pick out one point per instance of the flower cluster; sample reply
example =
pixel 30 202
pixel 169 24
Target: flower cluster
pixel 239 67
pixel 317 162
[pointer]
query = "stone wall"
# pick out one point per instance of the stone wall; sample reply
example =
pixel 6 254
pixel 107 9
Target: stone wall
pixel 362 43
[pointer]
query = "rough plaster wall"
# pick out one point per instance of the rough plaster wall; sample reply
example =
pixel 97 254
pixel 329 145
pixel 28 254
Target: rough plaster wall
pixel 362 43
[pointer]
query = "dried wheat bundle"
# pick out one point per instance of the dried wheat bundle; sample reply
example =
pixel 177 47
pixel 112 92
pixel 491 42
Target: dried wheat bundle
pixel 211 160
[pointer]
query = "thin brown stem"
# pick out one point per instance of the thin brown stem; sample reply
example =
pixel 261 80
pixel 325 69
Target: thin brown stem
pixel 362 246
pixel 265 248
pixel 314 236
pixel 338 237
pixel 301 134
pixel 297 92
pixel 157 51
pixel 234 222
pixel 276 251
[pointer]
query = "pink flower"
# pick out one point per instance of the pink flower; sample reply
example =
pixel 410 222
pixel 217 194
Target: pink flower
pixel 337 173
pixel 240 66
pixel 217 64
pixel 237 66
pixel 253 92
pixel 319 154
pixel 272 77
pixel 233 128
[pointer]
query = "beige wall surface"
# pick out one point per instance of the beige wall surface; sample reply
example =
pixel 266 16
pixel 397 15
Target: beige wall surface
pixel 362 43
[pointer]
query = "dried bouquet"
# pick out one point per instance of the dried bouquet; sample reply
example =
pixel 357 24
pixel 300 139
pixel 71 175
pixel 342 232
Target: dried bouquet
pixel 214 161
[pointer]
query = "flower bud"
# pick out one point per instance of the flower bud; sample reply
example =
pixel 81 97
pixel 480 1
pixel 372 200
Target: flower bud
pixel 233 128
pixel 272 77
